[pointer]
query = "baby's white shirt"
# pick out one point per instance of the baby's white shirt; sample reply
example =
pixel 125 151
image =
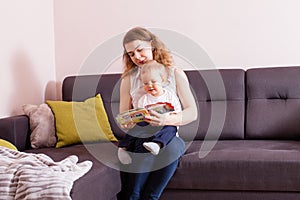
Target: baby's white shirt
pixel 167 96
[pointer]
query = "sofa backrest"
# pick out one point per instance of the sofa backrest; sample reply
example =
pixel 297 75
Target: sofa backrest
pixel 79 88
pixel 220 96
pixel 220 116
pixel 273 106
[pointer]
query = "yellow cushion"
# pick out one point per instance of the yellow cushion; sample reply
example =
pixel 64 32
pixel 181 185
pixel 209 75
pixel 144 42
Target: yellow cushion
pixel 7 144
pixel 81 121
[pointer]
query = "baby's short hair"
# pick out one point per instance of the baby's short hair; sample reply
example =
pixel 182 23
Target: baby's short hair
pixel 152 65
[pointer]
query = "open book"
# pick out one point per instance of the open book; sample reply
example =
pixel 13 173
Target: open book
pixel 138 114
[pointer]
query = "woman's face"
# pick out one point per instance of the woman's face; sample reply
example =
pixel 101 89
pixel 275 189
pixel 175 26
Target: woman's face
pixel 139 51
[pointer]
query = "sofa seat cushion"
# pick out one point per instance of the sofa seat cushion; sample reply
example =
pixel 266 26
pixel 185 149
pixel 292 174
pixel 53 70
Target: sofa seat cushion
pixel 249 165
pixel 101 180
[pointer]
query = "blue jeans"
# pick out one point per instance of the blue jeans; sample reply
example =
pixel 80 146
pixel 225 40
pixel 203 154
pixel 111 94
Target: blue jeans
pixel 150 185
pixel 162 135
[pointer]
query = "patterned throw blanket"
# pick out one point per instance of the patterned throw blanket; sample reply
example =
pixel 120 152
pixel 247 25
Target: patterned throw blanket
pixel 37 176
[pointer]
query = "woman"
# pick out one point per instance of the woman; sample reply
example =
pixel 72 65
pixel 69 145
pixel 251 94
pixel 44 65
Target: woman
pixel 141 46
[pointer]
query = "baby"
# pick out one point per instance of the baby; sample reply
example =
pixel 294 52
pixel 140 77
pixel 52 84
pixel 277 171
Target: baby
pixel 154 76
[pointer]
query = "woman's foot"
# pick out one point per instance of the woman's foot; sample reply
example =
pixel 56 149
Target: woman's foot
pixel 124 157
pixel 152 147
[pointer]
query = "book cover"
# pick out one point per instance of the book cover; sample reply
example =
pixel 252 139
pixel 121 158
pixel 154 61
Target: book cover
pixel 138 114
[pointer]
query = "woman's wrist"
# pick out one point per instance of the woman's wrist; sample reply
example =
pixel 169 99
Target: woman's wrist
pixel 181 118
pixel 173 119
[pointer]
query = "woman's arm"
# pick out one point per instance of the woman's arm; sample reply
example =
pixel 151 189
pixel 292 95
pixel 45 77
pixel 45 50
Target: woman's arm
pixel 189 112
pixel 125 99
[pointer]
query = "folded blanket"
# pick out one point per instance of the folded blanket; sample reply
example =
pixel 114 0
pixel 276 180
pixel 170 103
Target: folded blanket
pixel 37 176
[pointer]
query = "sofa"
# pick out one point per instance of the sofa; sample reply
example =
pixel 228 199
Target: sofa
pixel 244 144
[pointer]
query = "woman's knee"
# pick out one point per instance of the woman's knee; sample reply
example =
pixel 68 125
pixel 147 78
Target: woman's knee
pixel 176 147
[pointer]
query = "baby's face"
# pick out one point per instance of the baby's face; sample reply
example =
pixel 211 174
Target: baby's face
pixel 152 84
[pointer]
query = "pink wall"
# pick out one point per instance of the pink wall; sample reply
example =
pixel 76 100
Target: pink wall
pixel 234 33
pixel 27 54
pixel 44 41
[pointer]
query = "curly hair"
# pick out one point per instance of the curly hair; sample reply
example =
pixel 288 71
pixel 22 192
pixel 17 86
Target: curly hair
pixel 160 53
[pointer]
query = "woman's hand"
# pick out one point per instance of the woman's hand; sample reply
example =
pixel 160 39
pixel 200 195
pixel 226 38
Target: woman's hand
pixel 157 119
pixel 127 126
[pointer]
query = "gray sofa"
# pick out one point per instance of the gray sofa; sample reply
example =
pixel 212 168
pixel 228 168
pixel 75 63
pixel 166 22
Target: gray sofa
pixel 244 145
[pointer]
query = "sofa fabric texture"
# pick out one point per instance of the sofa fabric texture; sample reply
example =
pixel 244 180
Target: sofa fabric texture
pixel 244 144
pixel 273 106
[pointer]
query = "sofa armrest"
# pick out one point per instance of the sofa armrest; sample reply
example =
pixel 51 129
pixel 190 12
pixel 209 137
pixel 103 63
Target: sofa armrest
pixel 16 130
